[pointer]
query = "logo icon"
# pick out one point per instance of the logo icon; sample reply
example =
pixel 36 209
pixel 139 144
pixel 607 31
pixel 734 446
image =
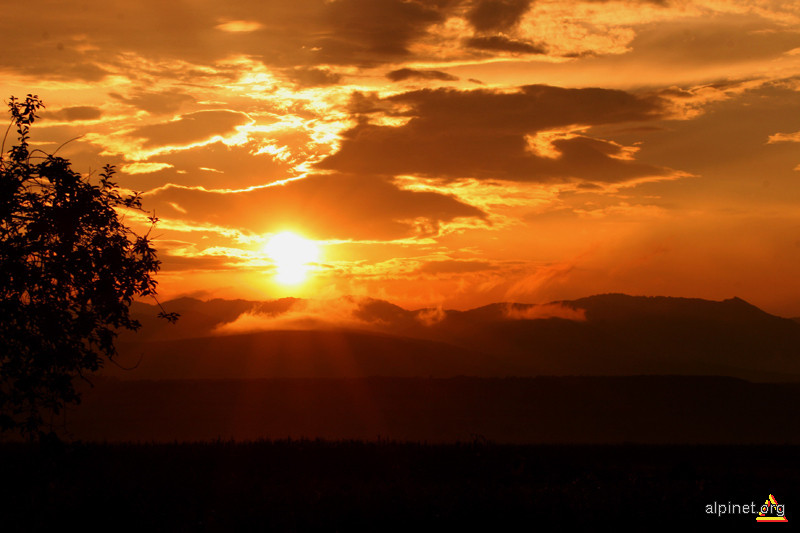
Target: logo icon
pixel 771 511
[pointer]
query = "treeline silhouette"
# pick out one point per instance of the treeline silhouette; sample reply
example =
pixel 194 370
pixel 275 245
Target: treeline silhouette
pixel 299 485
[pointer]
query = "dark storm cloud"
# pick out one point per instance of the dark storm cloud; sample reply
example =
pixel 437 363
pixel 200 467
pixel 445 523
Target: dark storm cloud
pixel 320 206
pixel 489 15
pixel 482 133
pixel 410 73
pixel 70 114
pixel 498 43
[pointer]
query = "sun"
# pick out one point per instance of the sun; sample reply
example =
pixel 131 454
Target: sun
pixel 292 256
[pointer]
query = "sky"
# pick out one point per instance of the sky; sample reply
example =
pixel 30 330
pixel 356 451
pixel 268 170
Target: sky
pixel 435 153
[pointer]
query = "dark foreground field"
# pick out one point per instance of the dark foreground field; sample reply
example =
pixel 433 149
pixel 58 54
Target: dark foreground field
pixel 544 410
pixel 386 486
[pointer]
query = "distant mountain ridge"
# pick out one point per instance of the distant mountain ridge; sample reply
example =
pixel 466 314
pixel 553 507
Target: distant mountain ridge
pixel 608 334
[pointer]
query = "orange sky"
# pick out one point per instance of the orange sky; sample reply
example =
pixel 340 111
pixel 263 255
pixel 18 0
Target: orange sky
pixel 443 152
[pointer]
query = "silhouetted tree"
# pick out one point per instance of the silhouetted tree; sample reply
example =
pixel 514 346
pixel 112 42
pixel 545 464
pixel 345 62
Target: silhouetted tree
pixel 69 271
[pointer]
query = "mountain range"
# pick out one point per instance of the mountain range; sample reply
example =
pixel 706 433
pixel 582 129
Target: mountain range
pixel 602 335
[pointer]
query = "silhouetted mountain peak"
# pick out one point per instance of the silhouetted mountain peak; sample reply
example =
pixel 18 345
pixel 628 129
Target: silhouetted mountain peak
pixel 371 308
pixel 617 306
pixel 604 334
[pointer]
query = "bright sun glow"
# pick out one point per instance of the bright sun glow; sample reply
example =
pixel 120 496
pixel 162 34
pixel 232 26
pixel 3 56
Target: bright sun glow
pixel 292 255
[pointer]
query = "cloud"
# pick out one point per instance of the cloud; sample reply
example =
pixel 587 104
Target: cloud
pixel 220 166
pixel 74 113
pixel 155 102
pixel 313 77
pixel 499 43
pixel 37 55
pixel 190 129
pixel 321 206
pixel 454 266
pixel 100 38
pixel 530 107
pixel 171 262
pixel 486 134
pixel 784 137
pixel 188 42
pixel 540 280
pixel 202 41
pixel 144 168
pixel 410 73
pixel 376 30
pixel 432 316
pixel 240 26
pixel 489 15
pixel 710 41
pixel 365 313
pixel 302 315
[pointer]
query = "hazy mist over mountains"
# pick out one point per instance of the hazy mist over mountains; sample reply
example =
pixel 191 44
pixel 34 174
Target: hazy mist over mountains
pixel 611 334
